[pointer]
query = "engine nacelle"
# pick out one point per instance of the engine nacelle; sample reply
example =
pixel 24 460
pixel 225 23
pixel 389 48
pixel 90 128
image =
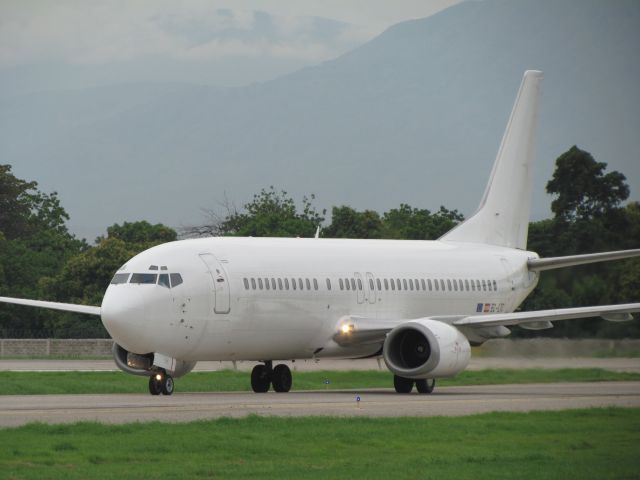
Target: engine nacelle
pixel 145 365
pixel 426 348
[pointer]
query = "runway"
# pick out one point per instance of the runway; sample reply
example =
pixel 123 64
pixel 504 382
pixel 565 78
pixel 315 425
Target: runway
pixel 181 407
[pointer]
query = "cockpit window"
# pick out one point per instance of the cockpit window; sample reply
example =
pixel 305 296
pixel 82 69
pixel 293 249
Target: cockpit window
pixel 176 279
pixel 145 278
pixel 164 280
pixel 119 278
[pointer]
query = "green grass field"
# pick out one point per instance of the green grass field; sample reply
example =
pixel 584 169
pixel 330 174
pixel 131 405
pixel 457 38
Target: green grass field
pixel 32 383
pixel 582 444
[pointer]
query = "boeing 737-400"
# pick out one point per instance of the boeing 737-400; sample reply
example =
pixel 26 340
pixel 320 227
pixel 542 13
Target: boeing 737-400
pixel 418 304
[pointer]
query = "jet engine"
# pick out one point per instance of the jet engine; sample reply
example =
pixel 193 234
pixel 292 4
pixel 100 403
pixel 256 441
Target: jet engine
pixel 148 363
pixel 426 348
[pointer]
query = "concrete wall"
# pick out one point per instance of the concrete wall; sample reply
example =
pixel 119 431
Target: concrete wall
pixel 537 347
pixel 55 347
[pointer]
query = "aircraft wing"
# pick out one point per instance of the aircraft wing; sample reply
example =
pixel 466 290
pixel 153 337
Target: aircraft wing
pixel 541 318
pixel 66 307
pixel 353 329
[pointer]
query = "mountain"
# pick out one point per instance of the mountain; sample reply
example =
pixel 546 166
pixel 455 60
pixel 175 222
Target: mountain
pixel 415 115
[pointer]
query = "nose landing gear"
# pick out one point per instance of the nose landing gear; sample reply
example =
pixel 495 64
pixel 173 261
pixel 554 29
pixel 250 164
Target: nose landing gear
pixel 161 382
pixel 263 376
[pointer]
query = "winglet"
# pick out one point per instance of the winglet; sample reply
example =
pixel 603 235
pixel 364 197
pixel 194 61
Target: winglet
pixel 503 215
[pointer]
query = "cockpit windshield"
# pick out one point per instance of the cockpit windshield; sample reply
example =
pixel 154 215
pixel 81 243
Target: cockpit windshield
pixel 167 280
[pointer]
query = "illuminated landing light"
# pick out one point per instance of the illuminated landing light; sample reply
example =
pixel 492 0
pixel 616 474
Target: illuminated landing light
pixel 346 329
pixel 158 377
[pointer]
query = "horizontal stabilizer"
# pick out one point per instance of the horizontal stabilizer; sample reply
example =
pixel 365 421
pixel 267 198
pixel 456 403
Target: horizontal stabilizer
pixel 539 264
pixel 66 307
pixel 536 319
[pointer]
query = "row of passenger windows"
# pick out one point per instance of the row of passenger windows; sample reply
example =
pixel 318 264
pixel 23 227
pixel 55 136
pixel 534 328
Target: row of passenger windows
pixel 392 284
pixel 167 280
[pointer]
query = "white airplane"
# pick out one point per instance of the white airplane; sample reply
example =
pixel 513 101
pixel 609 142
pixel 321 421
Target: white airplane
pixel 418 304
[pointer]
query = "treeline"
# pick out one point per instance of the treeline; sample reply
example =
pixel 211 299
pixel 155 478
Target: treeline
pixel 40 258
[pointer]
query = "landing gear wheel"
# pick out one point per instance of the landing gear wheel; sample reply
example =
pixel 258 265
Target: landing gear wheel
pixel 281 378
pixel 260 379
pixel 167 385
pixel 155 387
pixel 402 384
pixel 425 385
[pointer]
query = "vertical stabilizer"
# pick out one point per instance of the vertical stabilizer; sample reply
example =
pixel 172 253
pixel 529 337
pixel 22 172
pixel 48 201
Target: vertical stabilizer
pixel 503 215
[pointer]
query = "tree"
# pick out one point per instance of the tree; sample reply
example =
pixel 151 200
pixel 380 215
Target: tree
pixel 141 232
pixel 418 224
pixel 269 214
pixel 583 190
pixel 348 223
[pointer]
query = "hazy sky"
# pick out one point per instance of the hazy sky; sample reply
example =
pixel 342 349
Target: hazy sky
pixel 48 45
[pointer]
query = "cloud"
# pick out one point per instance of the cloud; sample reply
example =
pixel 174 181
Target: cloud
pixel 94 33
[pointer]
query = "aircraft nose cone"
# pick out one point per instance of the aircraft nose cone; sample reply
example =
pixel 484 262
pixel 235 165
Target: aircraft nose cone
pixel 124 317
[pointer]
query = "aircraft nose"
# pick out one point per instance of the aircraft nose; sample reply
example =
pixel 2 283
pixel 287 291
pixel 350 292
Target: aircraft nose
pixel 124 317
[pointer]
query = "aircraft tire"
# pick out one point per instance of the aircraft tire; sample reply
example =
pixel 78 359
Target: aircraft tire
pixel 425 385
pixel 260 379
pixel 402 384
pixel 167 385
pixel 155 387
pixel 281 378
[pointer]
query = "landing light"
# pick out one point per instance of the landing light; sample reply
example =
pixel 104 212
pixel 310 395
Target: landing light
pixel 158 377
pixel 346 328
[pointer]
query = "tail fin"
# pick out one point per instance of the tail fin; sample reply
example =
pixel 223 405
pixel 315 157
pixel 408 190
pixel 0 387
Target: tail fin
pixel 503 215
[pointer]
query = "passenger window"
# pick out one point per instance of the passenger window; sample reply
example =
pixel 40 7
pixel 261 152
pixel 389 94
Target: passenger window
pixel 293 284
pixel 328 284
pixel 410 284
pixel 119 278
pixel 484 286
pixel 260 283
pixel 315 284
pixel 164 280
pixel 386 284
pixel 359 284
pixel 144 278
pixel 353 284
pixel 442 284
pixel 246 283
pixel 437 284
pixel 371 286
pixel 379 283
pixel 393 284
pixel 266 284
pixel 346 284
pixel 495 286
pixel 449 284
pixel 279 284
pixel 398 284
pixel 273 284
pixel 466 285
pixel 286 284
pixel 253 283
pixel 430 284
pixel 300 284
pixel 341 285
pixel 473 286
pixel 455 284
pixel 424 285
pixel 404 283
pixel 308 284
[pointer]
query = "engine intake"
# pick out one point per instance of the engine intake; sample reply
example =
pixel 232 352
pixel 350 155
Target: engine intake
pixel 426 348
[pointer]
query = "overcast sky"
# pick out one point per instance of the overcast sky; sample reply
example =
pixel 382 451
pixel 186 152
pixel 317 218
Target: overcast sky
pixel 48 45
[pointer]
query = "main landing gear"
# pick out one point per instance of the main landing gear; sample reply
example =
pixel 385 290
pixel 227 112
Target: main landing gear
pixel 263 376
pixel 405 385
pixel 160 382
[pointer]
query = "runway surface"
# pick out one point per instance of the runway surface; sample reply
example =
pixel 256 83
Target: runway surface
pixel 451 401
pixel 477 363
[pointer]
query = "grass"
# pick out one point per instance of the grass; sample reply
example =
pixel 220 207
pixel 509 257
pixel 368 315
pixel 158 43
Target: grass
pixel 585 444
pixel 32 383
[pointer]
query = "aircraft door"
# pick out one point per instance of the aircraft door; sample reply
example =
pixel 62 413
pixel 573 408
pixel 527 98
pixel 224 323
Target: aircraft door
pixel 221 292
pixel 370 285
pixel 360 288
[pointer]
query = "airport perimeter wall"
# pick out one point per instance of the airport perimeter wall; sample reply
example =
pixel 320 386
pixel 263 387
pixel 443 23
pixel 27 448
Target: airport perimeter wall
pixel 537 347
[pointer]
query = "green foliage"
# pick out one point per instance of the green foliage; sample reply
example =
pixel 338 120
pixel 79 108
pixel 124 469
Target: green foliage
pixel 583 190
pixel 348 223
pixel 272 214
pixel 141 232
pixel 419 224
